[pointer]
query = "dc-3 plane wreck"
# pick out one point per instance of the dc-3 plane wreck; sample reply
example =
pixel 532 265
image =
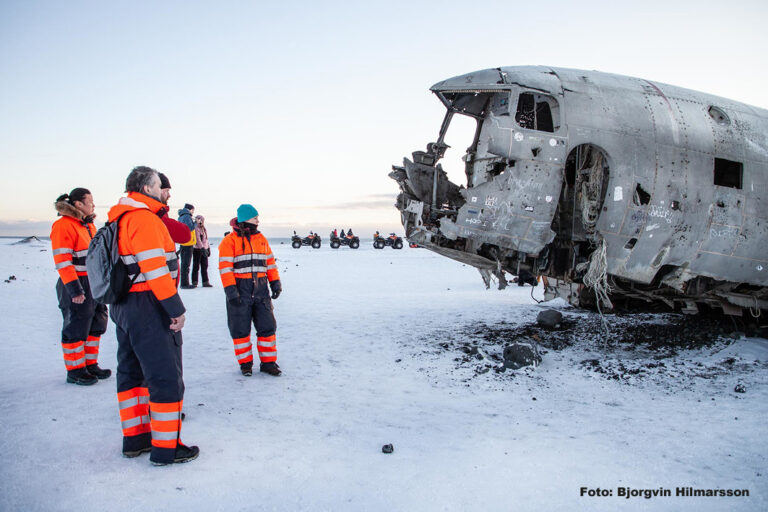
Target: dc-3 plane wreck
pixel 613 189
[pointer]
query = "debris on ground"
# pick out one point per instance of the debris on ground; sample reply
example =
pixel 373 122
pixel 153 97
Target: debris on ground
pixel 661 347
pixel 521 353
pixel 550 319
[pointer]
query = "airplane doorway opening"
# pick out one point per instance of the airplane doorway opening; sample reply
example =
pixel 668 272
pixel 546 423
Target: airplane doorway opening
pixel 459 136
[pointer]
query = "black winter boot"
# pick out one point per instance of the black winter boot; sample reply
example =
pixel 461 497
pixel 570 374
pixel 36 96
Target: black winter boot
pixel 133 446
pixel 81 377
pixel 246 369
pixel 135 453
pixel 207 285
pixel 270 368
pixel 97 372
pixel 183 454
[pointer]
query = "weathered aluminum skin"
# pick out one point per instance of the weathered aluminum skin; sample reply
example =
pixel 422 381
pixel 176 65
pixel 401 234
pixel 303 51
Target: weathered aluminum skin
pixel 660 137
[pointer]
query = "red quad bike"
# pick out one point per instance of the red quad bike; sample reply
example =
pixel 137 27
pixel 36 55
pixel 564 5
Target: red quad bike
pixel 314 241
pixel 337 242
pixel 394 241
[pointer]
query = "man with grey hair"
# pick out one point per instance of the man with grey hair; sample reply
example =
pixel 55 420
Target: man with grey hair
pixel 150 387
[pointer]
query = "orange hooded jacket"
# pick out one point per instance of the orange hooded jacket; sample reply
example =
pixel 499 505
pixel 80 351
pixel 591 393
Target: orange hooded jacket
pixel 147 250
pixel 70 237
pixel 241 255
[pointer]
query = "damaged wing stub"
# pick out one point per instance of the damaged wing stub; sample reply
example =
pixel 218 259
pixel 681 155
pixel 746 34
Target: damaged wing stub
pixel 616 190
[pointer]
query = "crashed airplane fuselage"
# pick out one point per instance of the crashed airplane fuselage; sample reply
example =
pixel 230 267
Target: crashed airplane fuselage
pixel 609 187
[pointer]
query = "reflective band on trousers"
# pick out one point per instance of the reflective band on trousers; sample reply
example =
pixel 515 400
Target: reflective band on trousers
pixel 134 422
pixel 72 350
pixel 75 362
pixel 164 436
pixel 266 343
pixel 131 402
pixel 92 343
pixel 245 354
pixel 242 345
pixel 164 416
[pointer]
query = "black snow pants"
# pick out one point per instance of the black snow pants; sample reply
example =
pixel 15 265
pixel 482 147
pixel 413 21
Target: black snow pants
pixel 150 384
pixel 255 307
pixel 200 262
pixel 82 327
pixel 186 260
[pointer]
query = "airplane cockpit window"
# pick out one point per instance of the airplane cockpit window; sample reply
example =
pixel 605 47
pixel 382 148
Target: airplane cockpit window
pixel 538 112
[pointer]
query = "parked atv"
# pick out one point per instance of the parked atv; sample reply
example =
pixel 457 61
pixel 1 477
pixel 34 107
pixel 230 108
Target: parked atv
pixel 353 242
pixel 313 240
pixel 393 241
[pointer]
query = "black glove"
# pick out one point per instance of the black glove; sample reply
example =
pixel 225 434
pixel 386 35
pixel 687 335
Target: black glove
pixel 232 296
pixel 277 288
pixel 208 252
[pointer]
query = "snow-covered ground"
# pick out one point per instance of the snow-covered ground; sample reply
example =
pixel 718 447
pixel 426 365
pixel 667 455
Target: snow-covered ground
pixel 359 342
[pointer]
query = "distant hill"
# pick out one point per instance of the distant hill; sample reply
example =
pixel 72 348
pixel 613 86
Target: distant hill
pixel 28 240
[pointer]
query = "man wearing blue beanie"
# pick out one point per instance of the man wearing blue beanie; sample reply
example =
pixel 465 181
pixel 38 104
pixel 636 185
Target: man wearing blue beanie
pixel 248 273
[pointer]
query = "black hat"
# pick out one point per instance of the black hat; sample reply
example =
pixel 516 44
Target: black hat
pixel 164 183
pixel 189 206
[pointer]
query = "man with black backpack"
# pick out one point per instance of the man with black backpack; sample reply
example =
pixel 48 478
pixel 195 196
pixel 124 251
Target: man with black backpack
pixel 149 319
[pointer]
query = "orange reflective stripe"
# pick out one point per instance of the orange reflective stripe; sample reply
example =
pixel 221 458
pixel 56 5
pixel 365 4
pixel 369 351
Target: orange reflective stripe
pixel 226 261
pixel 92 349
pixel 243 349
pixel 74 355
pixel 70 239
pixel 166 423
pixel 267 347
pixel 131 393
pixel 272 274
pixel 134 411
pixel 165 444
pixel 166 406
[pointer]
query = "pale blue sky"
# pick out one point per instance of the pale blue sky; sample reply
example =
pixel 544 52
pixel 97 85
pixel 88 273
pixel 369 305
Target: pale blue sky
pixel 301 108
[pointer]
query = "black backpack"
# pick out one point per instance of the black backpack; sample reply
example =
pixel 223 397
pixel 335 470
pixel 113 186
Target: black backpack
pixel 107 274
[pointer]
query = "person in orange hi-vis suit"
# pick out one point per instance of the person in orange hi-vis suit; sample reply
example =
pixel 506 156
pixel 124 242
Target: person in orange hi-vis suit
pixel 150 385
pixel 85 320
pixel 248 273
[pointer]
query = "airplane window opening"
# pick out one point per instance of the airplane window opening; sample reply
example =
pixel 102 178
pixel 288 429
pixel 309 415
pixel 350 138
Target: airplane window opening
pixel 719 115
pixel 538 112
pixel 497 168
pixel 641 196
pixel 728 173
